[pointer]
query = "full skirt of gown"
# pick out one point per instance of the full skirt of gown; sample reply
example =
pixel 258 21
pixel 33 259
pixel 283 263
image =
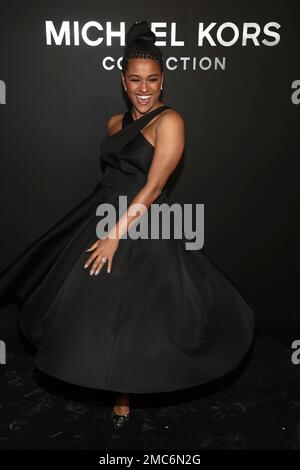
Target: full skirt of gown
pixel 164 319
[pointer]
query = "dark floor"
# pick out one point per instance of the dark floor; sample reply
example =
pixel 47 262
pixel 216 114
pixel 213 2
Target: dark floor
pixel 256 407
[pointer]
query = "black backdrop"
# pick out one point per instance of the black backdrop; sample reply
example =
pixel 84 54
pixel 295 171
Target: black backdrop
pixel 242 128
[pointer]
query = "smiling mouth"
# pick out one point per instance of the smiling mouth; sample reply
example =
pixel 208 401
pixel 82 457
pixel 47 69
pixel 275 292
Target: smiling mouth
pixel 143 99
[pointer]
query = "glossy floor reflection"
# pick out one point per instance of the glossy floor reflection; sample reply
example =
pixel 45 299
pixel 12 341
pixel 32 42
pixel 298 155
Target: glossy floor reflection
pixel 256 407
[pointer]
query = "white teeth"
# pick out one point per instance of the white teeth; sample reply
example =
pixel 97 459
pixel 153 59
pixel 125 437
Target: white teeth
pixel 144 97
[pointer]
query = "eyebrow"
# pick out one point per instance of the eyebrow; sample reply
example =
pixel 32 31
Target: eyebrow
pixel 136 75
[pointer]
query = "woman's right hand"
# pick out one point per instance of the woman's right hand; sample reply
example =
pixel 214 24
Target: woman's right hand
pixel 103 249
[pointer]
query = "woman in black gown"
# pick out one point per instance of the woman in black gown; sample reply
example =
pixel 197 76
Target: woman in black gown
pixel 118 313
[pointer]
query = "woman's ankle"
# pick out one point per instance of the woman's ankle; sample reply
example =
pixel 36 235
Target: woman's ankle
pixel 121 406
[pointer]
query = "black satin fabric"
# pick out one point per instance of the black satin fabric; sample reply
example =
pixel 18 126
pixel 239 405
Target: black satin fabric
pixel 164 319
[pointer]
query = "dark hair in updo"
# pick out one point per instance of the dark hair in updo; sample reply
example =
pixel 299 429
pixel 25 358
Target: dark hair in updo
pixel 140 44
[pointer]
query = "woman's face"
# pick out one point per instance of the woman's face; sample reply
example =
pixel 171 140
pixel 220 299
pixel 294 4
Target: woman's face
pixel 143 78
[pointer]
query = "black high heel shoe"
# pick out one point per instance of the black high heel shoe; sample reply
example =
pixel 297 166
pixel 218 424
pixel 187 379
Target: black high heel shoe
pixel 119 421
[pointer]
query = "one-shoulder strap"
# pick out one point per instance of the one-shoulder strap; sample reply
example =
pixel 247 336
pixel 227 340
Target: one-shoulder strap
pixel 127 118
pixel 119 139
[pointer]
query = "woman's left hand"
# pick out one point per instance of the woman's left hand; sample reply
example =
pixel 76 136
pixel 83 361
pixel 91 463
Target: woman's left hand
pixel 104 248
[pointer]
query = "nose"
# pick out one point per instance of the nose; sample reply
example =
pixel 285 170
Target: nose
pixel 143 86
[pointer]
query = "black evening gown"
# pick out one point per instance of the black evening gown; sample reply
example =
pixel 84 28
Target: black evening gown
pixel 164 319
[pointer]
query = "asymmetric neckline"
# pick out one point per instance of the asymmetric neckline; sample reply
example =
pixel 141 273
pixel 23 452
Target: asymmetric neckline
pixel 132 119
pixel 128 120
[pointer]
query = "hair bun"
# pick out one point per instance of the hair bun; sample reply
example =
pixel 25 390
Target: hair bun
pixel 140 32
